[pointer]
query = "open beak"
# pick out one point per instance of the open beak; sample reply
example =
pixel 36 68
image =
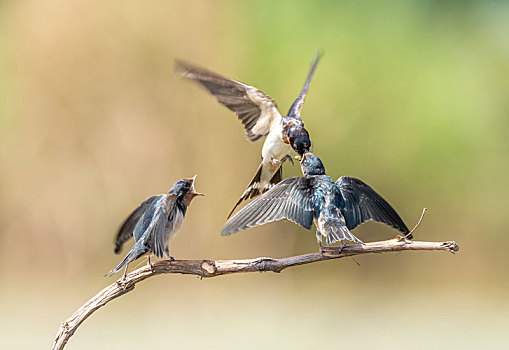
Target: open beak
pixel 193 190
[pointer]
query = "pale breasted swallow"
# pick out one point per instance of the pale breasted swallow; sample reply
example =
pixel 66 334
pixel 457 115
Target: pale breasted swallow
pixel 260 116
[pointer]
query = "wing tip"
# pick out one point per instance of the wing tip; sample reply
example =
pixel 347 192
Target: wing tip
pixel 227 231
pixel 179 67
pixel 189 70
pixel 182 67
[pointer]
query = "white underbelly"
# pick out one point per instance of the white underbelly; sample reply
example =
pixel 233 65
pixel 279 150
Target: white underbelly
pixel 274 150
pixel 274 147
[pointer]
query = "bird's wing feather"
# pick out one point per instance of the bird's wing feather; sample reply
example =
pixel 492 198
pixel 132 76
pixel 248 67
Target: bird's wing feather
pixel 126 229
pixel 361 203
pixel 296 107
pixel 290 199
pixel 159 224
pixel 256 110
pixel 146 222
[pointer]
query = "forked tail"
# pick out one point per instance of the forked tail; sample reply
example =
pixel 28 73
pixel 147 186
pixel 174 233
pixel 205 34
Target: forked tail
pixel 136 251
pixel 336 231
pixel 253 189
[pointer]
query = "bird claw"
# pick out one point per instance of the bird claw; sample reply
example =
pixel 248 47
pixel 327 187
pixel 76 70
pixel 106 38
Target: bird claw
pixel 122 280
pixel 172 258
pixel 287 157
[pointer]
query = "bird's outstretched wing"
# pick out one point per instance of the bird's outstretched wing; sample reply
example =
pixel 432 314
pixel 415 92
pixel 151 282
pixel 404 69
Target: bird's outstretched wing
pixel 256 110
pixel 361 203
pixel 126 230
pixel 296 107
pixel 290 199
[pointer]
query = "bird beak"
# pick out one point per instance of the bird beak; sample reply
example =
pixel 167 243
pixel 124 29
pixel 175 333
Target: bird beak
pixel 298 158
pixel 193 190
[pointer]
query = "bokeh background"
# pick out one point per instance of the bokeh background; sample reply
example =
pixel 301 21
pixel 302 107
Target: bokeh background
pixel 410 96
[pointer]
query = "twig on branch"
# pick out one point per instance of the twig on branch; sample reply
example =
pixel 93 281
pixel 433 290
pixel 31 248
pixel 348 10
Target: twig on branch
pixel 213 268
pixel 417 224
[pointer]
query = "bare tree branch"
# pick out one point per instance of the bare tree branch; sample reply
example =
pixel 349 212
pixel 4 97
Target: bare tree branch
pixel 213 268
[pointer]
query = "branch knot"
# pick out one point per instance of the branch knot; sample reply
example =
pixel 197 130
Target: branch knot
pixel 209 268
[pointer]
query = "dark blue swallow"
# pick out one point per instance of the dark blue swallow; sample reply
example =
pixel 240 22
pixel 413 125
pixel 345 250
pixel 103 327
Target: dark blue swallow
pixel 155 223
pixel 260 116
pixel 334 207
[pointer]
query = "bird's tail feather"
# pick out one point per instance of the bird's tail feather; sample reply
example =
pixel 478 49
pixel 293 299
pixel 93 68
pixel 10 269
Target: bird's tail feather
pixel 338 232
pixel 254 190
pixel 137 251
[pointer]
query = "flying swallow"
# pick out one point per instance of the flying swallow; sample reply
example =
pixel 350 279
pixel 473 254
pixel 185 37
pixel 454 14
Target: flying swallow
pixel 155 223
pixel 334 207
pixel 260 116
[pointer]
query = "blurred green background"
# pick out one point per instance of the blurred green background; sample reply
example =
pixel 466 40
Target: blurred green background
pixel 410 96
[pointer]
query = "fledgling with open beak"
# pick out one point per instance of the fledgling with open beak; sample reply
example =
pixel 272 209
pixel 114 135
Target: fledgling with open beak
pixel 155 223
pixel 334 207
pixel 260 116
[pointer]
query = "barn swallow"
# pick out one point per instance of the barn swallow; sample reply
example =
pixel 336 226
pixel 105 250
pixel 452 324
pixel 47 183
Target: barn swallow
pixel 260 116
pixel 334 207
pixel 155 223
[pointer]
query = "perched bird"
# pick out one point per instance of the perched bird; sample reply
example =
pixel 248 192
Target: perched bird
pixel 155 223
pixel 334 207
pixel 260 116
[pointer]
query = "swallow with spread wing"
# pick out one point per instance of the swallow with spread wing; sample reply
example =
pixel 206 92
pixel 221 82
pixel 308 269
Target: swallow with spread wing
pixel 260 116
pixel 155 223
pixel 334 207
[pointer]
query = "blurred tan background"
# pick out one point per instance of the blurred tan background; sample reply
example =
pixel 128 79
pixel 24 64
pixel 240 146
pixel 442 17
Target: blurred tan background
pixel 410 96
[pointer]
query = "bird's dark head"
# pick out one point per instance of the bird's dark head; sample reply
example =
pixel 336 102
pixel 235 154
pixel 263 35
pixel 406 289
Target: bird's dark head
pixel 184 190
pixel 300 141
pixel 296 135
pixel 311 165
